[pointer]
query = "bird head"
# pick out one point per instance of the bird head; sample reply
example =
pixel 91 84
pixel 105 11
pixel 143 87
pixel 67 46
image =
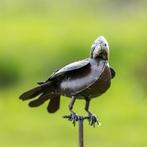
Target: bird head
pixel 100 48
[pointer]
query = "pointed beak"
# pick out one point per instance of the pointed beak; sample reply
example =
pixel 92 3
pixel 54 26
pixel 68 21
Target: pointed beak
pixel 103 54
pixel 101 48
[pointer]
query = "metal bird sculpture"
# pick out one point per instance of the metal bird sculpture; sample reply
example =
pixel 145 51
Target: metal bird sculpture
pixel 85 79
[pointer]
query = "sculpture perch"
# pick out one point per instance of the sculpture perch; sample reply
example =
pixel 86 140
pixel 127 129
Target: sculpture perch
pixel 85 79
pixel 81 129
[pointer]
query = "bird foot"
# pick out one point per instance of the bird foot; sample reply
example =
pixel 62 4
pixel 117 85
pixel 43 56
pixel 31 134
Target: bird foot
pixel 72 117
pixel 93 120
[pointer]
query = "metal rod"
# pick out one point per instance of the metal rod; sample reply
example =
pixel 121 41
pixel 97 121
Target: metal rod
pixel 81 133
pixel 80 120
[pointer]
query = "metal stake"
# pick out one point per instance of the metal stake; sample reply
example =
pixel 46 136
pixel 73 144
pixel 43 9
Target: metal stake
pixel 80 120
pixel 81 133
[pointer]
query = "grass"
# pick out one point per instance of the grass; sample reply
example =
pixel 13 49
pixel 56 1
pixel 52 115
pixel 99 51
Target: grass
pixel 34 43
pixel 122 117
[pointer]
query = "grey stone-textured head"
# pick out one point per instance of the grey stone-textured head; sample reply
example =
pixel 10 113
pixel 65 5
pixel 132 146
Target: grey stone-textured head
pixel 100 48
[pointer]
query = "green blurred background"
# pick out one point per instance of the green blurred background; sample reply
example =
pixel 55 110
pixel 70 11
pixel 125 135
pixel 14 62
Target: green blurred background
pixel 38 36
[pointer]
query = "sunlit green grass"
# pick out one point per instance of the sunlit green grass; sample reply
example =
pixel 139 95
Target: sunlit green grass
pixel 123 121
pixel 32 45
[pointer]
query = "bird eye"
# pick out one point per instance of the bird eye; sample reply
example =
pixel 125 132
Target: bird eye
pixel 105 44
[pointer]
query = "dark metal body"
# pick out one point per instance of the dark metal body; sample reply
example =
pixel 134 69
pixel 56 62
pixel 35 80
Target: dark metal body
pixel 88 82
pixel 84 79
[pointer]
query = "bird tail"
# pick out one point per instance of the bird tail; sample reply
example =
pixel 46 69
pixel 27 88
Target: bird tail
pixel 36 91
pixel 54 104
pixel 44 90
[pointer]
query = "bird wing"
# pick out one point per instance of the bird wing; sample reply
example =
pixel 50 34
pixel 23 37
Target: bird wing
pixel 77 83
pixel 69 67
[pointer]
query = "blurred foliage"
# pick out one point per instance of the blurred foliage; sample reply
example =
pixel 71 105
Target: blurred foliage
pixel 9 72
pixel 36 37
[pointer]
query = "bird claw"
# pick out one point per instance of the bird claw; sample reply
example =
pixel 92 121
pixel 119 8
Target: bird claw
pixel 93 120
pixel 72 117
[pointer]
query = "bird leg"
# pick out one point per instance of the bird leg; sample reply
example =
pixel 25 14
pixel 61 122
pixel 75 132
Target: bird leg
pixel 72 117
pixel 92 117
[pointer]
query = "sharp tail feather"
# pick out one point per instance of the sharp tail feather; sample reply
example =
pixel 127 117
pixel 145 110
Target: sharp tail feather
pixel 31 93
pixel 39 101
pixel 36 91
pixel 54 104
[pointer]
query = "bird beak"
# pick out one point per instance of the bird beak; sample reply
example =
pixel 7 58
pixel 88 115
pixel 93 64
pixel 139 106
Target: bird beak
pixel 100 48
pixel 101 52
